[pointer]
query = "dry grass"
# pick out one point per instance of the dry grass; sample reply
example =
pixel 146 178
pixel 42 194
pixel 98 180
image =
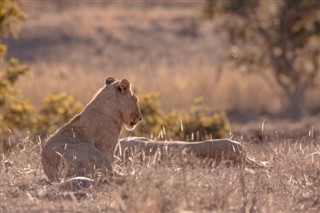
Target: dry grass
pixel 291 185
pixel 232 92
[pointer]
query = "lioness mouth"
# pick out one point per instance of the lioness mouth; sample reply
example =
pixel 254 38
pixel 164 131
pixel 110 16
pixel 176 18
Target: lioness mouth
pixel 132 123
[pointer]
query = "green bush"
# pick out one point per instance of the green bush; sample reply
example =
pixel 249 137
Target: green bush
pixel 16 113
pixel 10 17
pixel 196 124
pixel 18 116
pixel 200 124
pixel 152 115
pixel 55 111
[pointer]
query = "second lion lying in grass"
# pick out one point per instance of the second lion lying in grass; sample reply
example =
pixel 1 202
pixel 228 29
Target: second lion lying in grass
pixel 217 150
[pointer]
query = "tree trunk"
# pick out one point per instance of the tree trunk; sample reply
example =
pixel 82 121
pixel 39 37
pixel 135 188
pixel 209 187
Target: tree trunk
pixel 296 101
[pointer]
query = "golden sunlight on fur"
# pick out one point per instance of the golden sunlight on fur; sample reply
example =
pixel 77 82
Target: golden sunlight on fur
pixel 87 142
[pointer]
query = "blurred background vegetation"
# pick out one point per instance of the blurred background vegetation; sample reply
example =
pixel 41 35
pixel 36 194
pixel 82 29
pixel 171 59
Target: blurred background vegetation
pixel 196 65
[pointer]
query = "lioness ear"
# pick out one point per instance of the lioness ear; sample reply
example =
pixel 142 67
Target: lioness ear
pixel 124 85
pixel 110 80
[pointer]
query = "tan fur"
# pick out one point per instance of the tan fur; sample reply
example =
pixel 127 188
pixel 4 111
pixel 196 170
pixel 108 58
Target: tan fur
pixel 87 142
pixel 218 149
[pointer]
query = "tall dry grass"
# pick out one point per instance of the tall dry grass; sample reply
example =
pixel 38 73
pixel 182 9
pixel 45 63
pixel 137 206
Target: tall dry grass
pixel 178 88
pixel 291 184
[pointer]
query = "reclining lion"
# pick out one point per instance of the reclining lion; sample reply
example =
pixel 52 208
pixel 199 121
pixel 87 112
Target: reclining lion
pixel 87 142
pixel 217 150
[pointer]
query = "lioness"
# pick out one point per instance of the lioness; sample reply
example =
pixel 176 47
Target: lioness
pixel 217 149
pixel 87 142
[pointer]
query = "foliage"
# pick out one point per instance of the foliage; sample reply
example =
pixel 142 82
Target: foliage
pixel 10 17
pixel 152 115
pixel 55 111
pixel 197 124
pixel 278 36
pixel 17 114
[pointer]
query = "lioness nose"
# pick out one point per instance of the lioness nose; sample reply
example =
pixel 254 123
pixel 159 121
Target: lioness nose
pixel 139 115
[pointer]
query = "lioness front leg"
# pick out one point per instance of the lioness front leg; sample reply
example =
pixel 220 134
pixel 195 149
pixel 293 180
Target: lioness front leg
pixel 107 151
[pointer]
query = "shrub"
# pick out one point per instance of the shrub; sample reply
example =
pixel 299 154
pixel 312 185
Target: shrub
pixel 152 115
pixel 196 124
pixel 200 124
pixel 16 112
pixel 55 111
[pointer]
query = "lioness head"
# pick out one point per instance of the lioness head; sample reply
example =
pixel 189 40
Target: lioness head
pixel 126 102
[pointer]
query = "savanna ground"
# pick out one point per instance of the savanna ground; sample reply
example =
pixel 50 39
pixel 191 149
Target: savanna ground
pixel 291 184
pixel 164 49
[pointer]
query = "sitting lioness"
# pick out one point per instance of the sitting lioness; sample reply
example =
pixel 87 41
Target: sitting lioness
pixel 87 142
